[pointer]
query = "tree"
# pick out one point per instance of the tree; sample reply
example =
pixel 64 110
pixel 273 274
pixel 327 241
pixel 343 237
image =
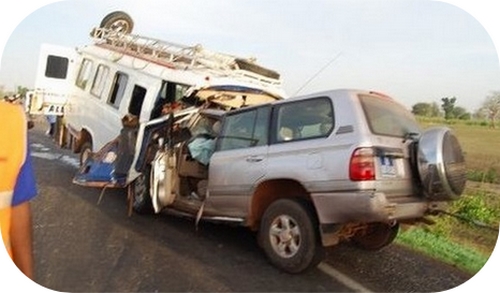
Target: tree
pixel 480 114
pixel 448 106
pixel 421 109
pixel 491 106
pixel 461 113
pixel 426 109
pixel 435 110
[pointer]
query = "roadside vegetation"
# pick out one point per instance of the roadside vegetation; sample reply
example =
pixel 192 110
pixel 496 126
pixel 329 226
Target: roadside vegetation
pixel 467 239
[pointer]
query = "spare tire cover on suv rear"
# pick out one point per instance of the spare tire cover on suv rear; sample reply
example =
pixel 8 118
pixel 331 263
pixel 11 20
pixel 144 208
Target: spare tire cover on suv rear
pixel 441 164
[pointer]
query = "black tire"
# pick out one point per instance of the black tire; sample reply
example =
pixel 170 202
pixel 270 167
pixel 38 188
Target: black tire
pixel 85 152
pixel 293 220
pixel 142 203
pixel 118 21
pixel 376 237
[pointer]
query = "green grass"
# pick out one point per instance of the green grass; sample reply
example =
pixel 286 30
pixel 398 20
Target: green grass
pixel 442 248
pixel 454 241
pixel 480 144
pixel 464 244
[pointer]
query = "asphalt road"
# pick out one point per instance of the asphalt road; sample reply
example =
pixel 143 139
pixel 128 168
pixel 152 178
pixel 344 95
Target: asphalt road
pixel 83 246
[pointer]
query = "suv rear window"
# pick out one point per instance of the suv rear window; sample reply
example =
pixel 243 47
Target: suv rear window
pixel 386 117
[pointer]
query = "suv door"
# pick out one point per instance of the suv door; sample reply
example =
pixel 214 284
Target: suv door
pixel 239 161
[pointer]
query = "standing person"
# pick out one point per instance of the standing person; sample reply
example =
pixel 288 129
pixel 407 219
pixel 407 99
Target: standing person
pixel 17 187
pixel 51 119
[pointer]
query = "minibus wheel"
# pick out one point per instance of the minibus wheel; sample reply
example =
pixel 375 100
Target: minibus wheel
pixel 118 21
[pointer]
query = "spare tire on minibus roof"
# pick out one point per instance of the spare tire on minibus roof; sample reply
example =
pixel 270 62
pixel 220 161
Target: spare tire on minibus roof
pixel 118 21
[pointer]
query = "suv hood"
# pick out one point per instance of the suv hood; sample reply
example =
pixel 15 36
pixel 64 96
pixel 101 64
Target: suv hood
pixel 233 96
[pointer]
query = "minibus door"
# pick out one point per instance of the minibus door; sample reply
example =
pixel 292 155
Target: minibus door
pixel 54 80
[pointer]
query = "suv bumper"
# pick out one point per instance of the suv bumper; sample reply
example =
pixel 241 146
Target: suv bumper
pixel 368 207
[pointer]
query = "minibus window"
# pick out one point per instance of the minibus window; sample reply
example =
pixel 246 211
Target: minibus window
pixel 100 80
pixel 84 74
pixel 57 67
pixel 119 84
pixel 138 96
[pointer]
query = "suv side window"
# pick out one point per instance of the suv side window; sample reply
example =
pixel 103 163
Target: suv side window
pixel 245 129
pixel 305 119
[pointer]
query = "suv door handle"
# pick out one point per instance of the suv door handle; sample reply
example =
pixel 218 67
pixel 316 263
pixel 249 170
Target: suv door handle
pixel 254 159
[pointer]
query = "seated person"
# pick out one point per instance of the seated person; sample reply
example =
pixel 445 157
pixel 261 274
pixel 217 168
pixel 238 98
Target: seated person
pixel 202 145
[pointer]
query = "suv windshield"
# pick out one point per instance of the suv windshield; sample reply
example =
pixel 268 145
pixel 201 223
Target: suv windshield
pixel 388 118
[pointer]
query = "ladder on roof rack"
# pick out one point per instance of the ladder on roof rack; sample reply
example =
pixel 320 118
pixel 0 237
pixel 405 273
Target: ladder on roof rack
pixel 167 53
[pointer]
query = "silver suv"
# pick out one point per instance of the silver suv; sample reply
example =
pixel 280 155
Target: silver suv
pixel 312 171
pixel 304 172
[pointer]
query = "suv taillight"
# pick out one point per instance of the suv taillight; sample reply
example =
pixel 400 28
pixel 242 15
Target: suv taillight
pixel 362 165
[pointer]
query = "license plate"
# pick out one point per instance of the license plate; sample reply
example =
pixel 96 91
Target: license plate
pixel 388 167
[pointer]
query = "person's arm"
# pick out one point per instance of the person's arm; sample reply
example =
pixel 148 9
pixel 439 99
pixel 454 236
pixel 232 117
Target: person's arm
pixel 21 231
pixel 21 238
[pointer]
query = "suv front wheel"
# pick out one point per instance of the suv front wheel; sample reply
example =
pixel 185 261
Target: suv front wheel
pixel 142 199
pixel 288 236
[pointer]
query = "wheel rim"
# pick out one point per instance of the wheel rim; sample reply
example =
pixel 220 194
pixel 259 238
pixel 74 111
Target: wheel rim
pixel 285 236
pixel 119 26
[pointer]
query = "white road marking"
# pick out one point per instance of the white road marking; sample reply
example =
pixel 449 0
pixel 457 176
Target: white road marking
pixel 39 146
pixel 42 152
pixel 46 156
pixel 70 161
pixel 348 282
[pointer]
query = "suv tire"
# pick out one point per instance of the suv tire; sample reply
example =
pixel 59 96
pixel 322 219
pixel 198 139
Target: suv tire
pixel 288 236
pixel 142 203
pixel 376 236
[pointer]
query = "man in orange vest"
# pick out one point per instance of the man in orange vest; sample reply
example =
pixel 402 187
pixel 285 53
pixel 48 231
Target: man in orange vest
pixel 17 187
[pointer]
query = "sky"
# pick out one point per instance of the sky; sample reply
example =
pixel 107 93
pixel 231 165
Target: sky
pixel 415 51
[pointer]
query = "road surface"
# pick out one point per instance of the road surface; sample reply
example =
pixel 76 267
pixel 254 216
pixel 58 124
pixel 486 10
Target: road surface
pixel 83 246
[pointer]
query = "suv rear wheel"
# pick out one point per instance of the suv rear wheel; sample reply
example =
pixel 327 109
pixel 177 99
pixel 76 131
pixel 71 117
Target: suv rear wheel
pixel 376 236
pixel 288 236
